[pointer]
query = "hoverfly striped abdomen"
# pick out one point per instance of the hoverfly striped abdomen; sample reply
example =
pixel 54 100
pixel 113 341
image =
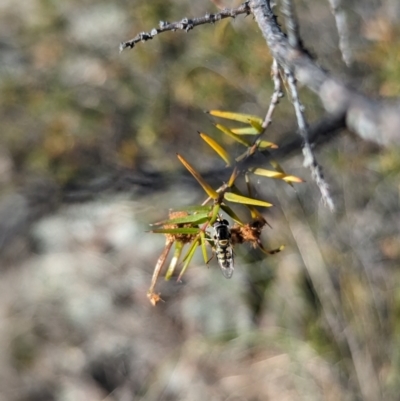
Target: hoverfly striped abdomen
pixel 223 248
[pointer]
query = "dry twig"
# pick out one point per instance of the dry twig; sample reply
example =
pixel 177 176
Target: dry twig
pixel 310 160
pixel 186 24
pixel 277 94
pixel 309 156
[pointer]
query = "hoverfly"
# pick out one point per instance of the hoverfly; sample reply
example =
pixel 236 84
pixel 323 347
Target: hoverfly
pixel 223 247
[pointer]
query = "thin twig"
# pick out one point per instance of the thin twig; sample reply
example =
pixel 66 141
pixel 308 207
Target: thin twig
pixel 186 24
pixel 277 94
pixel 343 30
pixel 309 156
pixel 154 298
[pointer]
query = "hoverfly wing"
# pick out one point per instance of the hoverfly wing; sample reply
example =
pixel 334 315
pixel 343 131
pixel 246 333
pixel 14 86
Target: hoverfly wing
pixel 225 261
pixel 227 272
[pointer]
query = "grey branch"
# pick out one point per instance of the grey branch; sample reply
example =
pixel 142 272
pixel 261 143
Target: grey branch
pixel 186 24
pixel 277 94
pixel 376 120
pixel 310 160
pixel 309 156
pixel 343 30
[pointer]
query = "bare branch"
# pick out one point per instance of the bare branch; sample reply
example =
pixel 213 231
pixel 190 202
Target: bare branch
pixel 186 24
pixel 293 36
pixel 298 107
pixel 374 120
pixel 309 156
pixel 343 30
pixel 277 94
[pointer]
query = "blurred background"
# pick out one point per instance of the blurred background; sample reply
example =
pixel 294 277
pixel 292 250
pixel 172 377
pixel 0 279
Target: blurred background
pixel 87 161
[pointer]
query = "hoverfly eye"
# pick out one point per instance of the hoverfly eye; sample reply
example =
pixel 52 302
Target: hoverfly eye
pixel 226 222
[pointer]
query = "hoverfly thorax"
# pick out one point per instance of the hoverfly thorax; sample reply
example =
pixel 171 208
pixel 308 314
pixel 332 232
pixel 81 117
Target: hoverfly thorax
pixel 223 247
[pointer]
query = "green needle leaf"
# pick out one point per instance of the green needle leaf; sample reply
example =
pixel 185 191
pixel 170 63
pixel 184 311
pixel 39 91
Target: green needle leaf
pixel 181 230
pixel 232 178
pixel 277 166
pixel 217 147
pixel 214 213
pixel 195 208
pixel 207 188
pixel 232 214
pixel 266 144
pixel 245 131
pixel 275 174
pixel 193 219
pixel 231 197
pixel 271 251
pixel 188 257
pixel 174 260
pixel 244 118
pixel 203 246
pixel 237 138
pixel 256 125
